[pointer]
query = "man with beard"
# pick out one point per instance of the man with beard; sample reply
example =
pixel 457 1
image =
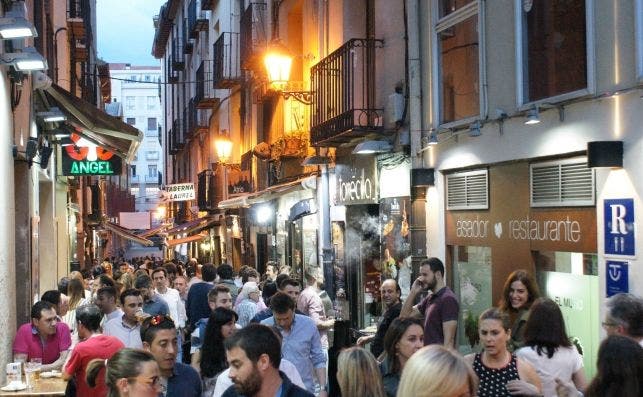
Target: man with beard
pixel 439 308
pixel 159 338
pixel 391 292
pixel 254 354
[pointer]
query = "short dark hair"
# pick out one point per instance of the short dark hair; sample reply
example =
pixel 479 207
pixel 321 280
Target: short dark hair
pixel 225 271
pixel 272 264
pixel 153 324
pixel 143 281
pixel 269 289
pixel 250 272
pixel 281 302
pixel 280 279
pixel 109 291
pixel 159 269
pixel 63 283
pixel 627 310
pixel 216 290
pixel 106 280
pixel 51 296
pixel 129 292
pixel 38 307
pixel 89 316
pixel 255 340
pixel 170 267
pixel 289 281
pixel 435 264
pixel 209 272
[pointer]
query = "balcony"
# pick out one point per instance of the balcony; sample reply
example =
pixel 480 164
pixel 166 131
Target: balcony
pixel 171 143
pixel 197 119
pixel 209 5
pixel 178 134
pixel 77 12
pixel 343 86
pixel 204 97
pixel 227 71
pixel 197 19
pixel 253 37
pixel 188 42
pixel 178 57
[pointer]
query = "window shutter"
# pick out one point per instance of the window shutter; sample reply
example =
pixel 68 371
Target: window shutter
pixel 562 183
pixel 468 190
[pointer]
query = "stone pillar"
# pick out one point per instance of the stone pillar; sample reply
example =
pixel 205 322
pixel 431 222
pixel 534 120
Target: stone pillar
pixel 7 229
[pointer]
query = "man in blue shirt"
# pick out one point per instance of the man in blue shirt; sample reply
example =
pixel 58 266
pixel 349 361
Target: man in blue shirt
pixel 301 341
pixel 152 303
pixel 159 338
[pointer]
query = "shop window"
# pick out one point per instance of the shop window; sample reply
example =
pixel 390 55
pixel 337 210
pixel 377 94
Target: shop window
pixel 567 182
pixel 472 286
pixel 457 37
pixel 468 190
pixel 555 43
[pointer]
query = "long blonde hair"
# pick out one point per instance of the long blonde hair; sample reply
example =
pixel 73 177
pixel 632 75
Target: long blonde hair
pixel 435 371
pixel 358 374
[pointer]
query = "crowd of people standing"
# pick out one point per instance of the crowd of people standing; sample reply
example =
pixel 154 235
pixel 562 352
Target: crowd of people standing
pixel 151 328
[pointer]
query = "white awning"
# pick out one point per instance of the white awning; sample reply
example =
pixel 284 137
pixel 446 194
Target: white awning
pixel 273 192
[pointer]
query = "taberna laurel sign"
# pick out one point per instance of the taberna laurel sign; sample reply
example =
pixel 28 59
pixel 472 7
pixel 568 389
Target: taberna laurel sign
pixel 89 160
pixel 178 192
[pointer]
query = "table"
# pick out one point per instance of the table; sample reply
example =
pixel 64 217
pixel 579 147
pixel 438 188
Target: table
pixel 42 387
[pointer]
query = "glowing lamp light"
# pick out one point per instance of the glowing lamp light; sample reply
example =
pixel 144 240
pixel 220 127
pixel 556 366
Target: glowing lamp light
pixel 264 213
pixel 278 62
pixel 223 146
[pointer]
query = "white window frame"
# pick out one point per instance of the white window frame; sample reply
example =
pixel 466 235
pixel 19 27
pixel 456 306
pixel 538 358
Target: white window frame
pixel 590 88
pixel 437 26
pixel 638 15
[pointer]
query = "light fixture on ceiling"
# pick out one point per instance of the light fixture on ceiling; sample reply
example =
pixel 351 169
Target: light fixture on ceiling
pixel 14 25
pixel 532 116
pixel 474 129
pixel 370 147
pixel 28 59
pixel 315 160
pixel 52 115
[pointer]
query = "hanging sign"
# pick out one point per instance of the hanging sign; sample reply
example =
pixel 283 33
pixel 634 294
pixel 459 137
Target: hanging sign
pixel 178 192
pixel 86 158
pixel 619 227
pixel 356 181
pixel 617 278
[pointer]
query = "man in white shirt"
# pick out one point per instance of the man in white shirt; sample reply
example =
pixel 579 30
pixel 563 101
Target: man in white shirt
pixel 174 303
pixel 106 302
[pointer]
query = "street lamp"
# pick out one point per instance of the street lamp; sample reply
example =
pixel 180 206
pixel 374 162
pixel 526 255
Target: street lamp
pixel 278 62
pixel 223 146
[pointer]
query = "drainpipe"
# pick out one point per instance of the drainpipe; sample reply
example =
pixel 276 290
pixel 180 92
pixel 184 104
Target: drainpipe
pixel 417 219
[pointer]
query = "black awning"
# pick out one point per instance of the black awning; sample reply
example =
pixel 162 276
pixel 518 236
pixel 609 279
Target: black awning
pixel 96 125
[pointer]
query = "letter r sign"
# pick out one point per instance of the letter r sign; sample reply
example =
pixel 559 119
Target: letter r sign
pixel 619 227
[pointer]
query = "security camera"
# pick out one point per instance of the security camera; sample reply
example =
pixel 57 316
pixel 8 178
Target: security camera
pixel 40 81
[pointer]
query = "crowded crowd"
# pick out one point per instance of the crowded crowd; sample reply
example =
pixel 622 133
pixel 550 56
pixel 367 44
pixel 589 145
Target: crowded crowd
pixel 153 328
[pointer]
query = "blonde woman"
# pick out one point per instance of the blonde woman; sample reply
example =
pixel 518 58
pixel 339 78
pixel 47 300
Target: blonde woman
pixel 435 371
pixel 358 374
pixel 76 295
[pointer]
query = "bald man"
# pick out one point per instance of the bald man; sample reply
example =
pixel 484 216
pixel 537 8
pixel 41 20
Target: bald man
pixel 391 293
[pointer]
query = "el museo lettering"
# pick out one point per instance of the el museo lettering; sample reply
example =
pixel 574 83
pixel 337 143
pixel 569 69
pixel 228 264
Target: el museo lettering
pixel 523 229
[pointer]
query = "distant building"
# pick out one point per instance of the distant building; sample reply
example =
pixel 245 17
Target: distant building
pixel 135 99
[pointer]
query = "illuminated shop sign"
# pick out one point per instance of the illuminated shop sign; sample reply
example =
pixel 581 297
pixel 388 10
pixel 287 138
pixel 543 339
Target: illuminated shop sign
pixel 85 158
pixel 356 183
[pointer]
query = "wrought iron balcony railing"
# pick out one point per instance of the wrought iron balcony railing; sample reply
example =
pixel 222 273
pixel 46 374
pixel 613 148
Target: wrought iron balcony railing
pixel 178 57
pixel 226 68
pixel 204 97
pixel 197 19
pixel 343 86
pixel 253 35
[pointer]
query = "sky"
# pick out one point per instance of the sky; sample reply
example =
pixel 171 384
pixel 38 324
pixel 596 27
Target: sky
pixel 125 30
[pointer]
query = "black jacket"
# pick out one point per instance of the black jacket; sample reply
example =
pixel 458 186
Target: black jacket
pixel 288 389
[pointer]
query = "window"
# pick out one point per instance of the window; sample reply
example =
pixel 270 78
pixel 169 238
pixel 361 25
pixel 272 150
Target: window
pixel 134 191
pixel 151 124
pixel 456 38
pixel 151 171
pixel 562 183
pixel 131 120
pixel 152 101
pixel 133 168
pixel 468 190
pixel 147 77
pixel 554 45
pixel 151 155
pixel 130 103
